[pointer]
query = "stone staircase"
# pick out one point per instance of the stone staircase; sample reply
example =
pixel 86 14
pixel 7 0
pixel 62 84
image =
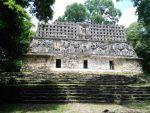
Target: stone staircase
pixel 77 93
pixel 49 88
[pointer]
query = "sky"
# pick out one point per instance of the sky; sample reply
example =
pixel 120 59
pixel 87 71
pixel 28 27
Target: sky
pixel 125 6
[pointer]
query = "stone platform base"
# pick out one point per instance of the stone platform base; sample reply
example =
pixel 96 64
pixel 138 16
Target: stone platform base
pixel 84 88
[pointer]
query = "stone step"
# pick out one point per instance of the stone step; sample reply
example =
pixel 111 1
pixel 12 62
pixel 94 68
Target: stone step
pixel 45 78
pixel 82 96
pixel 63 101
pixel 90 97
pixel 84 93
pixel 71 98
pixel 83 99
pixel 53 88
pixel 46 81
pixel 115 90
pixel 101 78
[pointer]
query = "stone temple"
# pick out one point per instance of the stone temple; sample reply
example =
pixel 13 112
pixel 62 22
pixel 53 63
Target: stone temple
pixel 81 47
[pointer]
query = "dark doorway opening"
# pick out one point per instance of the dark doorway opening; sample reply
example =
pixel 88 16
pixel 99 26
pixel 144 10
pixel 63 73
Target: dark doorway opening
pixel 85 64
pixel 111 65
pixel 58 63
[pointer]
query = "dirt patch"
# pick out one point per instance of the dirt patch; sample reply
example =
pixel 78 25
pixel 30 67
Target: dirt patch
pixel 70 108
pixel 101 108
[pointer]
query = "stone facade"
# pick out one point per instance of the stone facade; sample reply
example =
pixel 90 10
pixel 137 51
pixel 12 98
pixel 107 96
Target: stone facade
pixel 81 47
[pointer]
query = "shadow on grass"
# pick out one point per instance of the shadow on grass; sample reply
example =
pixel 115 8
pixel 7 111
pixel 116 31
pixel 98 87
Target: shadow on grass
pixel 139 105
pixel 22 98
pixel 40 108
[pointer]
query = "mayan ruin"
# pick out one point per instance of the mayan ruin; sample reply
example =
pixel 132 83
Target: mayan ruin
pixel 75 56
pixel 81 47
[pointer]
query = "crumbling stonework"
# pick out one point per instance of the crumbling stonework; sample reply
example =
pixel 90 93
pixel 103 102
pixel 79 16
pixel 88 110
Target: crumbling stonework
pixel 81 47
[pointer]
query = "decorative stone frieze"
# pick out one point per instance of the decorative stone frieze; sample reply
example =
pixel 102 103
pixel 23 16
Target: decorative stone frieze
pixel 73 43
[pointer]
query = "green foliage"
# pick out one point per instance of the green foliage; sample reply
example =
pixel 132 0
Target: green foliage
pixel 12 65
pixel 97 18
pixel 42 9
pixel 133 33
pixel 15 25
pixel 143 47
pixel 102 11
pixel 14 32
pixel 36 108
pixel 143 10
pixel 98 11
pixel 74 13
pixel 139 36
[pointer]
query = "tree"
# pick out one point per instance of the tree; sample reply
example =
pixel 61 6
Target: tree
pixel 138 35
pixel 74 13
pixel 98 11
pixel 15 25
pixel 143 11
pixel 142 45
pixel 42 9
pixel 133 34
pixel 102 11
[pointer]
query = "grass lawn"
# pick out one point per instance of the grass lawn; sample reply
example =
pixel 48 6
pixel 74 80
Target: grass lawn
pixel 75 108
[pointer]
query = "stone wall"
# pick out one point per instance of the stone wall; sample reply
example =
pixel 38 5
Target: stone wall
pixel 80 47
pixel 103 46
pixel 81 38
pixel 75 64
pixel 85 31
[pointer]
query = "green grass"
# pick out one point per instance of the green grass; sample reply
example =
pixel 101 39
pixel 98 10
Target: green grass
pixel 139 105
pixel 74 108
pixel 33 108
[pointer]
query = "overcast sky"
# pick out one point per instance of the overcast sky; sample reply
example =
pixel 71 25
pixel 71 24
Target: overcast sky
pixel 126 7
